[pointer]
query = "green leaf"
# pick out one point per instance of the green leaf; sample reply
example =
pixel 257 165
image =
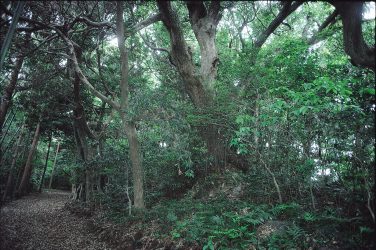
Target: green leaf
pixel 209 245
pixel 303 110
pixel 171 216
pixel 370 91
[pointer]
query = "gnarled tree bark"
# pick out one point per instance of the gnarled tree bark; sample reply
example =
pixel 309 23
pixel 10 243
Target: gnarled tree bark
pixel 351 14
pixel 199 87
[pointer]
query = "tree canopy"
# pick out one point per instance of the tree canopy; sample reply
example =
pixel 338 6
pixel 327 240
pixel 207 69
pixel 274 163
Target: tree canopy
pixel 265 107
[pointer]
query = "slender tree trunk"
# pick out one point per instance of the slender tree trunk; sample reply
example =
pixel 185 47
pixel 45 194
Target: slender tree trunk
pixel 274 180
pixel 7 146
pixel 22 189
pixel 127 196
pixel 54 165
pixel 3 135
pixel 46 163
pixel 256 136
pixel 6 98
pixel 10 180
pixel 129 126
pixel 9 90
pixel 307 156
pixel 23 157
pixel 137 169
pixel 89 181
pixel 88 185
pixel 82 132
pixel 275 183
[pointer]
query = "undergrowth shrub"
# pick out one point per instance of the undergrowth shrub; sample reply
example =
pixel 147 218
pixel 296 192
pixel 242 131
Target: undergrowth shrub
pixel 293 237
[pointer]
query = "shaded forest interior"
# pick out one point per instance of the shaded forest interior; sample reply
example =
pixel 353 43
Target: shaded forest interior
pixel 188 124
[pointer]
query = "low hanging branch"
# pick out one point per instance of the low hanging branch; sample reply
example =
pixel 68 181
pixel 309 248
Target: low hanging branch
pixel 82 77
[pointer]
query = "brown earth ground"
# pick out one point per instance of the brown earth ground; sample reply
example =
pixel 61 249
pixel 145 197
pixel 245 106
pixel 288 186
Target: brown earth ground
pixel 52 221
pixel 39 221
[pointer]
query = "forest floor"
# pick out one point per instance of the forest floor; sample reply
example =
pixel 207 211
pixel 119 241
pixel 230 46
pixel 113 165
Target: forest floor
pixel 52 221
pixel 39 221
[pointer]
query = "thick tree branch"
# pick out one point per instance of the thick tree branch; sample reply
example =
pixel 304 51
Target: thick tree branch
pixel 179 49
pixel 355 46
pixel 91 23
pixel 99 65
pixel 48 39
pixel 148 44
pixel 215 10
pixel 9 36
pixel 145 23
pixel 180 55
pixel 204 24
pixel 35 83
pixel 196 10
pixel 73 56
pixel 330 20
pixel 286 10
pixel 124 66
pixel 79 111
pixel 82 77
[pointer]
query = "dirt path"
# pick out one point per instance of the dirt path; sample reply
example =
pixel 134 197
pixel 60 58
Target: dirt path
pixel 38 221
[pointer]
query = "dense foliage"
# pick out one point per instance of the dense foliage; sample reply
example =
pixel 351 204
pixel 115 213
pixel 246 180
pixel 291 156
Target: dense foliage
pixel 241 136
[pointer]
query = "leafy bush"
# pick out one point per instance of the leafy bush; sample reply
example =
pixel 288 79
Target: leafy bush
pixel 291 238
pixel 286 210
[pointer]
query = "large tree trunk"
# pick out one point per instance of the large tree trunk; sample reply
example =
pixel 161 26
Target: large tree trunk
pixel 22 189
pixel 200 88
pixel 204 24
pixel 215 145
pixel 10 180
